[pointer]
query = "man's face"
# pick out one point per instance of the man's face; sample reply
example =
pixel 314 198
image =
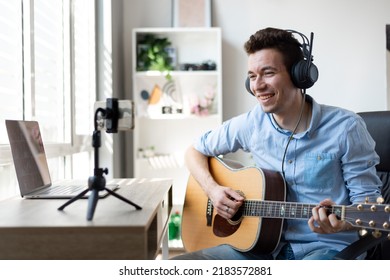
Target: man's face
pixel 270 81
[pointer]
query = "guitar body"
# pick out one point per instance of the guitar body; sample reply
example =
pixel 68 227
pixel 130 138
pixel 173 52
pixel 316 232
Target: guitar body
pixel 248 233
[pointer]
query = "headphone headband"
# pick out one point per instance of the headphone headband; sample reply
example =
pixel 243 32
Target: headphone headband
pixel 305 77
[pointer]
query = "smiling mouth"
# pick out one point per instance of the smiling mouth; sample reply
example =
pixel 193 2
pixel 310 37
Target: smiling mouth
pixel 265 97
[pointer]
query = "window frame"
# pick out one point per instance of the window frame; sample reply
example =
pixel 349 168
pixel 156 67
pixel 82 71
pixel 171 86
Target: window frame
pixel 72 143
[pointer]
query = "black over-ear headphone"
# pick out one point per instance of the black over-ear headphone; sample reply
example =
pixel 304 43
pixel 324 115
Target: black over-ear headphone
pixel 303 73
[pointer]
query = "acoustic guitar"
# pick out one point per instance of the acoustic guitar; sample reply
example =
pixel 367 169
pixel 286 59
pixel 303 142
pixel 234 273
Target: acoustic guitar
pixel 258 223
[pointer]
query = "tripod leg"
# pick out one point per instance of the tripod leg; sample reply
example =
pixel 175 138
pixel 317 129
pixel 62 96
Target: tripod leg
pixel 73 199
pixel 124 199
pixel 92 201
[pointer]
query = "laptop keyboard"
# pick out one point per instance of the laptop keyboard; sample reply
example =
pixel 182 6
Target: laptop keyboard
pixel 69 189
pixel 64 189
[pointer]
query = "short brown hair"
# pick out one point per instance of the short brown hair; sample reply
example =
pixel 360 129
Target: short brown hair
pixel 279 39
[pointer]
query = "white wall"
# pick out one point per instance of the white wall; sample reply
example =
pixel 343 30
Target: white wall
pixel 348 48
pixel 349 45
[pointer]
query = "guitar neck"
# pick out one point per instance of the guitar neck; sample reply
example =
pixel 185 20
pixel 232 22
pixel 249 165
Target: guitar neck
pixel 287 210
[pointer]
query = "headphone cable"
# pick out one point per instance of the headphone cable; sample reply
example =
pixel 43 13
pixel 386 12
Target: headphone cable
pixel 293 132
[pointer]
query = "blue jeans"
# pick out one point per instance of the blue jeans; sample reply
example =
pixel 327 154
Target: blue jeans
pixel 225 252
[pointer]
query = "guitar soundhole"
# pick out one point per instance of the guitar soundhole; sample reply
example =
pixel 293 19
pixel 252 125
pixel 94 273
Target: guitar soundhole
pixel 224 228
pixel 237 217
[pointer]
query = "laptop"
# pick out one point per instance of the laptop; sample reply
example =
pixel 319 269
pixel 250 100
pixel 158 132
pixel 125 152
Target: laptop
pixel 31 166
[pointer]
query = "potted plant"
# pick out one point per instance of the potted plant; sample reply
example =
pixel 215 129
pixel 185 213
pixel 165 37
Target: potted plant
pixel 153 54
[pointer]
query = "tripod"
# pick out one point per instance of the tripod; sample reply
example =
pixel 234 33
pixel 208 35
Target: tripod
pixel 97 182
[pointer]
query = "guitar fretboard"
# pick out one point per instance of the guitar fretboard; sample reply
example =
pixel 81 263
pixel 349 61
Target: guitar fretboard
pixel 282 209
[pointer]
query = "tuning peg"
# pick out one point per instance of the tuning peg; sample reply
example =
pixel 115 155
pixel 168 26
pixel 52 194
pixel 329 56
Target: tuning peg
pixel 376 233
pixel 388 236
pixel 380 200
pixel 363 232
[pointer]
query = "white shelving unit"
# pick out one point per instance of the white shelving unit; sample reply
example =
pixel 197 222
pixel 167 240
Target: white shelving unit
pixel 165 125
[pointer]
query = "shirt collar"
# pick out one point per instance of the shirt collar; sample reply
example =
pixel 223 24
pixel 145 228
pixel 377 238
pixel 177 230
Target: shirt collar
pixel 313 122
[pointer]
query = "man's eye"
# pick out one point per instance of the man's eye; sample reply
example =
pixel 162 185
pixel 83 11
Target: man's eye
pixel 252 77
pixel 269 73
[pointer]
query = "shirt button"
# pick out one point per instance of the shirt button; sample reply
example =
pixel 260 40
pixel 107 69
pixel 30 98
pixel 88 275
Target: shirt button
pixel 319 158
pixel 290 161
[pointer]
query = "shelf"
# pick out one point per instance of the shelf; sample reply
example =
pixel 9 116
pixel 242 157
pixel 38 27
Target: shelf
pixel 167 118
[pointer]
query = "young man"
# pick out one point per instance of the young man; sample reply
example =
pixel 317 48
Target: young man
pixel 325 153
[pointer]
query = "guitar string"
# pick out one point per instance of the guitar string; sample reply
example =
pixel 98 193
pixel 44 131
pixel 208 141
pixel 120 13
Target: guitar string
pixel 261 204
pixel 363 223
pixel 273 209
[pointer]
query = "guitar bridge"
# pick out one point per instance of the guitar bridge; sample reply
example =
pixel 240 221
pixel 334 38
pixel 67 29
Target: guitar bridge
pixel 209 212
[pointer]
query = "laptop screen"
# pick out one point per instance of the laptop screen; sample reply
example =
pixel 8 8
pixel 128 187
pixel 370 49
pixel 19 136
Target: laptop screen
pixel 28 154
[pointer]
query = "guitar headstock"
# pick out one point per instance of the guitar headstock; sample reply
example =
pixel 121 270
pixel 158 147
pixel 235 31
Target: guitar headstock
pixel 371 217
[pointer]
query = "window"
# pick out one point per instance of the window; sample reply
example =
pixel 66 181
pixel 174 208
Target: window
pixel 50 54
pixel 11 71
pixel 47 64
pixel 84 61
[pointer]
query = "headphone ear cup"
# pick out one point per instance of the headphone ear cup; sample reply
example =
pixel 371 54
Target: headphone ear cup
pixel 247 86
pixel 302 77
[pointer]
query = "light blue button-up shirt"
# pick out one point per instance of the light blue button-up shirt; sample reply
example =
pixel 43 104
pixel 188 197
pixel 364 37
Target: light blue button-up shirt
pixel 334 158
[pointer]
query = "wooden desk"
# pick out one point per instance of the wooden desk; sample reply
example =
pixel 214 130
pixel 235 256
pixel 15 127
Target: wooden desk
pixel 35 229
